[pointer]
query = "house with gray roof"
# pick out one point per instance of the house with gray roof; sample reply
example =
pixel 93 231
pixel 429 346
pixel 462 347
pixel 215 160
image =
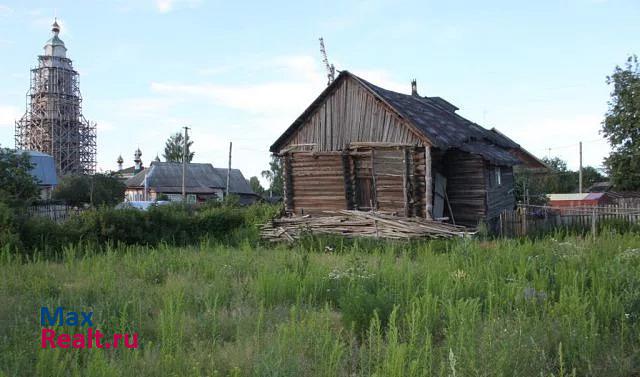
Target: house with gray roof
pixel 359 146
pixel 202 182
pixel 43 170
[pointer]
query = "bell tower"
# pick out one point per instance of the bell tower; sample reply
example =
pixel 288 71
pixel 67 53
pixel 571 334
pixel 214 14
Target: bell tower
pixel 53 122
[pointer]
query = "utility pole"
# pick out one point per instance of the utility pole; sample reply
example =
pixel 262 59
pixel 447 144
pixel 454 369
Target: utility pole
pixel 580 172
pixel 184 163
pixel 229 170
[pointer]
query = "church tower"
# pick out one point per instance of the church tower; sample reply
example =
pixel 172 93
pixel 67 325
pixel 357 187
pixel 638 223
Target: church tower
pixel 53 122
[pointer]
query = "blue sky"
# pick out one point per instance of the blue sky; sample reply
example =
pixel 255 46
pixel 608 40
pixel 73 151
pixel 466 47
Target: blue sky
pixel 243 71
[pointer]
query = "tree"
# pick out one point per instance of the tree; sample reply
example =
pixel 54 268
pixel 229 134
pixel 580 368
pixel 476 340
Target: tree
pixel 17 185
pixel 591 175
pixel 173 148
pixel 254 182
pixel 530 187
pixel 621 126
pixel 274 176
pixel 561 179
pixel 97 189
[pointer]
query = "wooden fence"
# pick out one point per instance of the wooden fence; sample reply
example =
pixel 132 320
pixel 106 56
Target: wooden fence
pixel 531 220
pixel 55 212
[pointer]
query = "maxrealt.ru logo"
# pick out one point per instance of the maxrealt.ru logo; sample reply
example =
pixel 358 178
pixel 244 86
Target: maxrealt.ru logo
pixel 92 338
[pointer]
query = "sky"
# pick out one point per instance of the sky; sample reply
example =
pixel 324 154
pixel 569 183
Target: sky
pixel 244 71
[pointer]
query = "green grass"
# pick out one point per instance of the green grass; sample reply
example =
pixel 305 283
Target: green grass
pixel 461 308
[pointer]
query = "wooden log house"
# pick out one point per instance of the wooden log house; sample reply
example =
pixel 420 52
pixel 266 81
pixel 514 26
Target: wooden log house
pixel 362 147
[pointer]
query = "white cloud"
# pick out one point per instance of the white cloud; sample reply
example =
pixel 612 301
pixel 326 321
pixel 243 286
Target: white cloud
pixel 562 135
pixel 42 19
pixel 252 114
pixel 383 79
pixel 8 116
pixel 5 10
pixel 166 6
pixel 104 126
pixel 303 82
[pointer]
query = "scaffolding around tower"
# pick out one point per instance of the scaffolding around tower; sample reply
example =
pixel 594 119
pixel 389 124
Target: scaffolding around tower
pixel 53 122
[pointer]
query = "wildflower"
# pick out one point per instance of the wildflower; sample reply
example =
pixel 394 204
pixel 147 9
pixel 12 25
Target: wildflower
pixel 459 275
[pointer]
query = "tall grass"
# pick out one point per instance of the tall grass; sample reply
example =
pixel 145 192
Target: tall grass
pixel 326 307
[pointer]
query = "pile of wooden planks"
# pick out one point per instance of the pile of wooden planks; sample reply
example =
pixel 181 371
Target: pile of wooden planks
pixel 359 224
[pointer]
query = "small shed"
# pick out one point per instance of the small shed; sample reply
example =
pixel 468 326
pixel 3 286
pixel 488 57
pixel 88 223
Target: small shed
pixel 202 182
pixel 573 200
pixel 359 146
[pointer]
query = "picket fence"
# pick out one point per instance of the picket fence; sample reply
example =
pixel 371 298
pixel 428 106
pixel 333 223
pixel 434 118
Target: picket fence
pixel 531 219
pixel 55 212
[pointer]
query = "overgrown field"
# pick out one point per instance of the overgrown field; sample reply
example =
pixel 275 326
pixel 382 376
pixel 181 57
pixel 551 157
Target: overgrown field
pixel 459 308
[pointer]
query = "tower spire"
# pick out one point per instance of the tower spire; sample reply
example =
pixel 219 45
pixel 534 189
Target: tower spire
pixel 55 28
pixel 53 122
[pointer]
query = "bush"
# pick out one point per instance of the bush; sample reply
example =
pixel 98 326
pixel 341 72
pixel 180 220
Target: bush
pixel 9 237
pixel 174 224
pixel 359 306
pixel 97 189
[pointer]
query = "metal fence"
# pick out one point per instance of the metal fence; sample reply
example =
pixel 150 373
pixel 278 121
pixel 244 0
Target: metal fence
pixel 55 212
pixel 531 220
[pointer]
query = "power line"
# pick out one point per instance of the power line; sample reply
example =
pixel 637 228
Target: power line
pixel 571 145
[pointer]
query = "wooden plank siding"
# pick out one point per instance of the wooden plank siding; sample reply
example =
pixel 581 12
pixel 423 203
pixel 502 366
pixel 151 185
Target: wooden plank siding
pixel 499 197
pixel 466 187
pixel 352 114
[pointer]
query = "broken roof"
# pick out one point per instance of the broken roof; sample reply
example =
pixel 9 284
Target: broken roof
pixel 201 178
pixel 433 117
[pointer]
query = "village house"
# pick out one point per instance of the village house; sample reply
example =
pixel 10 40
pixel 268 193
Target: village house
pixel 163 180
pixel 43 171
pixel 359 146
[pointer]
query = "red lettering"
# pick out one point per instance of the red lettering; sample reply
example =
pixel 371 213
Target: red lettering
pixel 116 339
pixel 64 340
pixel 48 336
pixel 78 341
pixel 134 344
pixel 98 336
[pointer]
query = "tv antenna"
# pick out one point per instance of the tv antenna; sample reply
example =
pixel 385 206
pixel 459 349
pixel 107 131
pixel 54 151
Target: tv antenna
pixel 331 70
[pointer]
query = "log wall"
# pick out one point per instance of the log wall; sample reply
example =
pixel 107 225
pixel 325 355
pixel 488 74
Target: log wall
pixel 352 114
pixel 317 183
pixel 385 179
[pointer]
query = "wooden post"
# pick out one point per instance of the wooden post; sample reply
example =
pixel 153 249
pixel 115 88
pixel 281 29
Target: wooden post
pixel 593 223
pixel 524 221
pixel 184 164
pixel 374 205
pixel 288 183
pixel 428 189
pixel 580 172
pixel 405 174
pixel 346 173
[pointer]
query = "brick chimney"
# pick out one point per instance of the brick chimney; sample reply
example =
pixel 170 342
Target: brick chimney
pixel 414 88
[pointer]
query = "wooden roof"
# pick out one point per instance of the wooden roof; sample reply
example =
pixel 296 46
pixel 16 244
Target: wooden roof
pixel 432 117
